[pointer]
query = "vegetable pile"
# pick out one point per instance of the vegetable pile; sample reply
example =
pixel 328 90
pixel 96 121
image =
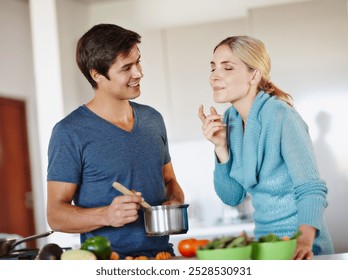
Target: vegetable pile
pixel 226 242
pixel 94 248
pixel 188 247
pixel 273 238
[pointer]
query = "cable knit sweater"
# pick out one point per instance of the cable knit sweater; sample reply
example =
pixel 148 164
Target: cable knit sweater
pixel 273 160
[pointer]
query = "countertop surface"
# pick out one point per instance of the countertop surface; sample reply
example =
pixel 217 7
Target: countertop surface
pixel 340 256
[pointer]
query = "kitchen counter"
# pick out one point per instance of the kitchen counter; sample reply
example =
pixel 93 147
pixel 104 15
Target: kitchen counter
pixel 341 256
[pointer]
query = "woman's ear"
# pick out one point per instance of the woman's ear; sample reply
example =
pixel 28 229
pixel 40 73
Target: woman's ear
pixel 96 76
pixel 256 77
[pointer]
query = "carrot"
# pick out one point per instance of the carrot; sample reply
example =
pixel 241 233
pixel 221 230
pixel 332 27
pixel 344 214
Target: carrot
pixel 163 256
pixel 114 256
pixel 141 258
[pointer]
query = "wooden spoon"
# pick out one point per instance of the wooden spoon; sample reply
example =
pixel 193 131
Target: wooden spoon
pixel 122 189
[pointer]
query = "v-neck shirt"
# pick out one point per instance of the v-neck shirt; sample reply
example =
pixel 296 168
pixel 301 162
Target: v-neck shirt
pixel 91 152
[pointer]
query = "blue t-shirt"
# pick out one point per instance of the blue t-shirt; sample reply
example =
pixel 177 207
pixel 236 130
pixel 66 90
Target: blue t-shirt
pixel 91 152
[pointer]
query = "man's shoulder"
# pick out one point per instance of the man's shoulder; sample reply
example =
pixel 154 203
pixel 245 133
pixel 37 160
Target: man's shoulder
pixel 73 118
pixel 145 108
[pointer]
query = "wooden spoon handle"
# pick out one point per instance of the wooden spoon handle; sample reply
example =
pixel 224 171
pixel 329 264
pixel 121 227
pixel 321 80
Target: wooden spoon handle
pixel 122 189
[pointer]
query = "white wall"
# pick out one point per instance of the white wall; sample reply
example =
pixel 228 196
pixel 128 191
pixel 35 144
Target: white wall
pixel 155 84
pixel 73 21
pixel 308 44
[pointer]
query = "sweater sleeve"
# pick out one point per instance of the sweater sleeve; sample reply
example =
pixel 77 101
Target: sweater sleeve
pixel 297 149
pixel 227 189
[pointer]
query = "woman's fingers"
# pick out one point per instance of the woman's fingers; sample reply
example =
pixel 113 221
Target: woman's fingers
pixel 213 111
pixel 214 116
pixel 212 128
pixel 211 124
pixel 201 114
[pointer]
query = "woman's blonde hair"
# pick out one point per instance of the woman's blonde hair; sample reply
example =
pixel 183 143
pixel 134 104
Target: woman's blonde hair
pixel 253 53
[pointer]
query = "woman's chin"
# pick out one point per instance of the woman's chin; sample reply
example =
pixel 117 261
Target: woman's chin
pixel 220 99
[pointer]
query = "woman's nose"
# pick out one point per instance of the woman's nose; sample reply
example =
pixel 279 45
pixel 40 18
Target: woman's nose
pixel 214 76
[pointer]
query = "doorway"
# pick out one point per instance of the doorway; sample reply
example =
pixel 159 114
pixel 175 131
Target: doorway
pixel 16 204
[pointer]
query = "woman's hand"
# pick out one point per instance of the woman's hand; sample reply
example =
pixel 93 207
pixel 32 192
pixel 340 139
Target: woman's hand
pixel 303 250
pixel 305 243
pixel 214 130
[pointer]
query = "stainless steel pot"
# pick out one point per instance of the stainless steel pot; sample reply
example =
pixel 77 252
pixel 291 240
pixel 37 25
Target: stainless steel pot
pixel 162 219
pixel 166 220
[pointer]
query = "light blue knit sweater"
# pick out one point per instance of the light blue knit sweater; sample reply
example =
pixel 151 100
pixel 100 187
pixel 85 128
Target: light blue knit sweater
pixel 274 161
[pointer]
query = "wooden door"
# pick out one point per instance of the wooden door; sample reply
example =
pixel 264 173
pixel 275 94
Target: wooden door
pixel 16 205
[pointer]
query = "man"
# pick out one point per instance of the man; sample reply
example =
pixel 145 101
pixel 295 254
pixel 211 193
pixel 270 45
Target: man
pixel 110 139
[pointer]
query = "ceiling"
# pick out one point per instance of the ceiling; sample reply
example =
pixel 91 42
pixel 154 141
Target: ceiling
pixel 170 13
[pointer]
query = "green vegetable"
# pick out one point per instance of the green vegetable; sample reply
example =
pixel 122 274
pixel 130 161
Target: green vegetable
pixel 212 244
pixel 222 242
pixel 296 235
pixel 99 246
pixel 237 242
pixel 227 242
pixel 269 238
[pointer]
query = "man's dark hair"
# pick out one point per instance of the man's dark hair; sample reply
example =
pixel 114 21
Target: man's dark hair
pixel 99 47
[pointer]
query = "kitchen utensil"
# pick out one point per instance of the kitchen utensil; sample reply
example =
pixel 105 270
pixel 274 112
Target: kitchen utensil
pixel 161 219
pixel 7 245
pixel 166 220
pixel 122 189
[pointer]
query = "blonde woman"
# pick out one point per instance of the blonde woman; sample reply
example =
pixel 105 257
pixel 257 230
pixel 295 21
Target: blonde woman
pixel 263 148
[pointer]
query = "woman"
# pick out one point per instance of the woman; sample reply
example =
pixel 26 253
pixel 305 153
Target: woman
pixel 263 148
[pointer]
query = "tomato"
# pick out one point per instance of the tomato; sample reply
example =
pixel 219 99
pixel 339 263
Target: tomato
pixel 186 247
pixel 200 243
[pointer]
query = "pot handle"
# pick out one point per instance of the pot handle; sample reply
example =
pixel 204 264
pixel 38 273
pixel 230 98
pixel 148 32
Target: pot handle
pixel 29 238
